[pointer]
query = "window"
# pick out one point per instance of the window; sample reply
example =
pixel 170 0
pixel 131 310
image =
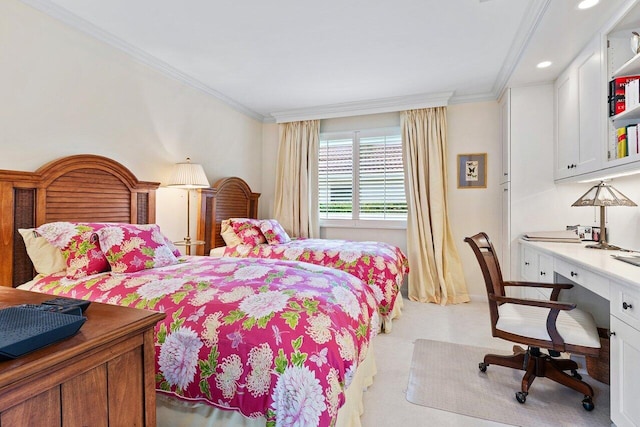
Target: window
pixel 361 176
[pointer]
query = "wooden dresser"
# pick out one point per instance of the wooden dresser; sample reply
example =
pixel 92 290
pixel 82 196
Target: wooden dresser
pixel 102 376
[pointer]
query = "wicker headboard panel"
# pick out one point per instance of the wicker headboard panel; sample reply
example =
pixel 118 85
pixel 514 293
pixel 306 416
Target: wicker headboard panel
pixel 228 198
pixel 79 188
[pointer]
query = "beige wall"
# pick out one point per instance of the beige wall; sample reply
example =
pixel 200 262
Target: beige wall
pixel 65 93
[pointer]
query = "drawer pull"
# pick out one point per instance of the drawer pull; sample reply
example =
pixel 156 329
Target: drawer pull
pixel 625 305
pixel 573 274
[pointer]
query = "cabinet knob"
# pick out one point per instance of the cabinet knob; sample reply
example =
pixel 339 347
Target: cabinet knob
pixel 573 274
pixel 542 273
pixel 612 333
pixel 526 263
pixel 625 305
pixel 505 174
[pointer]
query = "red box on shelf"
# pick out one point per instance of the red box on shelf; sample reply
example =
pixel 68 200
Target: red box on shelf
pixel 616 94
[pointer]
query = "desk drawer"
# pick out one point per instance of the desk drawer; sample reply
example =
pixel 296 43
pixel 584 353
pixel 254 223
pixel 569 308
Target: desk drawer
pixel 625 304
pixel 593 282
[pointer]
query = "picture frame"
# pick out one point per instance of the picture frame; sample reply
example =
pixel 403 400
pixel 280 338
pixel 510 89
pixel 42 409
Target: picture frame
pixel 472 170
pixel 586 233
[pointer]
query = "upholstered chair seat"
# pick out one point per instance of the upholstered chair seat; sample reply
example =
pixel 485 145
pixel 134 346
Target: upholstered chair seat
pixel 576 327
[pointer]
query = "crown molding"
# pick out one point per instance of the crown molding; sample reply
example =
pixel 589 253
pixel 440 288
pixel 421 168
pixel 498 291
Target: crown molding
pixel 84 26
pixel 478 97
pixel 527 28
pixel 359 108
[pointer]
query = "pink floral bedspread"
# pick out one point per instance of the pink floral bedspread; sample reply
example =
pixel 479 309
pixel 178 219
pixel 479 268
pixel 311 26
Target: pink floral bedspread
pixel 269 338
pixel 380 265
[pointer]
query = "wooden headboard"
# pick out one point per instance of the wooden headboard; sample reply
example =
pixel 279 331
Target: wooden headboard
pixel 228 198
pixel 82 188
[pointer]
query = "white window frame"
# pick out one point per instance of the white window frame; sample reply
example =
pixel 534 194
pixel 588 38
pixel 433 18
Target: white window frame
pixel 356 222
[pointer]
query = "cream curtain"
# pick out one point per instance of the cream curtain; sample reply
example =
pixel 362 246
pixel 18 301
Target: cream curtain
pixel 296 195
pixel 435 268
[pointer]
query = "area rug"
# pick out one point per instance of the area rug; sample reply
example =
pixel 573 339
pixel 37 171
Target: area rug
pixel 446 376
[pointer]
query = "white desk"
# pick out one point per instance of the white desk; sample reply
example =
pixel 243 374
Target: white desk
pixel 617 282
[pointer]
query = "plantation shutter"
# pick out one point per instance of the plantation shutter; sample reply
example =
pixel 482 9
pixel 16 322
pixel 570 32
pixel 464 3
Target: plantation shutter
pixel 361 176
pixel 381 178
pixel 335 178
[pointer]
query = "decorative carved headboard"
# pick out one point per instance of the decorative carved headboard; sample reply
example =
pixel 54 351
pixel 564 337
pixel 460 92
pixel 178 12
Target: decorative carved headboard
pixel 83 188
pixel 228 198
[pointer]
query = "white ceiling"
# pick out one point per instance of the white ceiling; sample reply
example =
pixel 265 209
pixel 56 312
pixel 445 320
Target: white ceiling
pixel 286 57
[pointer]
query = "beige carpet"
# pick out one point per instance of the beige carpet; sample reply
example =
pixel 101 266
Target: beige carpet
pixel 446 376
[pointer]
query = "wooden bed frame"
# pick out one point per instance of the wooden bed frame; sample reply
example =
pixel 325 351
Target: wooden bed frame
pixel 228 198
pixel 82 188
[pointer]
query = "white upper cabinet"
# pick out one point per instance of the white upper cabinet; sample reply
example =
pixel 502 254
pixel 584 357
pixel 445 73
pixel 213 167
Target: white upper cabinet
pixel 579 110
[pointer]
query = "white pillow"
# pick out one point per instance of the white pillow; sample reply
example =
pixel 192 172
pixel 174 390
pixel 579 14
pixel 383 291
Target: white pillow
pixel 228 235
pixel 46 258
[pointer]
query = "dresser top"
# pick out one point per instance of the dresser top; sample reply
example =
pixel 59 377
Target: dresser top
pixel 105 324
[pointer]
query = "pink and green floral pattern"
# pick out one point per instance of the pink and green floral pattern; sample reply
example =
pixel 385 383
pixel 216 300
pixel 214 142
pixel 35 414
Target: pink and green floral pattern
pixel 273 338
pixel 273 232
pixel 79 245
pixel 247 230
pixel 131 248
pixel 380 265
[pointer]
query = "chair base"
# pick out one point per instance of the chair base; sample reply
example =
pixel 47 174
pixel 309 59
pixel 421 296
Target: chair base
pixel 537 364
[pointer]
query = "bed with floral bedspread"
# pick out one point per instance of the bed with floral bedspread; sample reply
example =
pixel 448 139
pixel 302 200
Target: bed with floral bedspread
pixel 380 265
pixel 269 338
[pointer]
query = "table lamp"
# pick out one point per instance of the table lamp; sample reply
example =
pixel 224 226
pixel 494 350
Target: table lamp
pixel 188 175
pixel 603 195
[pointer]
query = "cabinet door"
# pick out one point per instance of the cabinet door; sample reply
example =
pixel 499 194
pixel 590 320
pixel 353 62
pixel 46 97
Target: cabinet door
pixel 505 261
pixel 545 271
pixel 529 265
pixel 625 371
pixel 505 136
pixel 579 114
pixel 590 111
pixel 567 130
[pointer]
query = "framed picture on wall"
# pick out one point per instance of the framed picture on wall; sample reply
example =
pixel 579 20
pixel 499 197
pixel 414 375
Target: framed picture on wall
pixel 472 170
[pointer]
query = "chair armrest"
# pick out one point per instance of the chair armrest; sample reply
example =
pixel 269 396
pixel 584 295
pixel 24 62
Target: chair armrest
pixel 557 287
pixel 554 306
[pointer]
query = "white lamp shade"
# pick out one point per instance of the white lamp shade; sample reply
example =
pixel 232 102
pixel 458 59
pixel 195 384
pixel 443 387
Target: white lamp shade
pixel 188 175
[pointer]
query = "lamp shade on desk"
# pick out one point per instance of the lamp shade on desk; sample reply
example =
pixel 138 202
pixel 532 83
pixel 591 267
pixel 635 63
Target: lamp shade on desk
pixel 603 195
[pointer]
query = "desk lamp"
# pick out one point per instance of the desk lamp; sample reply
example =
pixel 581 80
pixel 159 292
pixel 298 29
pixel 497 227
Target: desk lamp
pixel 188 175
pixel 603 195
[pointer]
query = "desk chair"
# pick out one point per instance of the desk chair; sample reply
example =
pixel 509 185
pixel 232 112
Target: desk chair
pixel 547 324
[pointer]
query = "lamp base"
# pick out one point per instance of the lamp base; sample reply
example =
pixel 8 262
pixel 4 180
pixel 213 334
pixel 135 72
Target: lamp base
pixel 604 245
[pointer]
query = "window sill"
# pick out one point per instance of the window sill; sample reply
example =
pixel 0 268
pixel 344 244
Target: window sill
pixel 363 224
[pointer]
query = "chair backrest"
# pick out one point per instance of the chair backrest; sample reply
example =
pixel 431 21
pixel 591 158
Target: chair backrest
pixel 486 255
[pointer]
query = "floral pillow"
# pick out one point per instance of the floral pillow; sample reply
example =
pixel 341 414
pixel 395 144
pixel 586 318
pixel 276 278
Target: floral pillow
pixel 273 232
pixel 79 245
pixel 248 231
pixel 174 250
pixel 131 248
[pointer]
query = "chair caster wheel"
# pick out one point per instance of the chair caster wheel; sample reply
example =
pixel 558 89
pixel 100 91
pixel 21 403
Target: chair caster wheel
pixel 482 366
pixel 575 374
pixel 521 396
pixel 587 403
